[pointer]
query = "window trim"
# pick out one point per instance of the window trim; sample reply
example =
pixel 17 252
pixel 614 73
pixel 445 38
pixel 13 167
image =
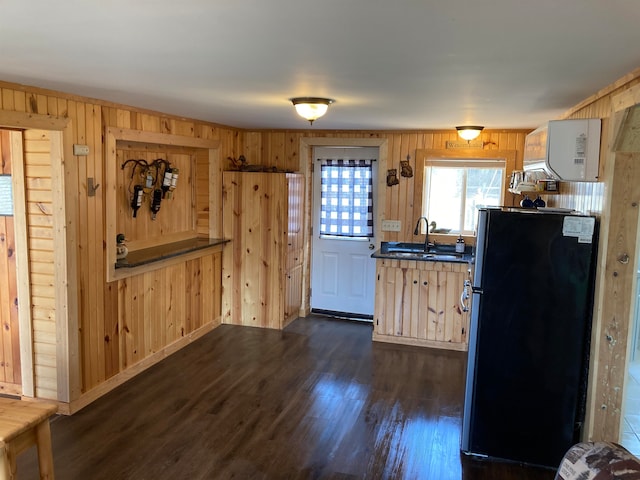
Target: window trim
pixel 459 164
pixel 424 156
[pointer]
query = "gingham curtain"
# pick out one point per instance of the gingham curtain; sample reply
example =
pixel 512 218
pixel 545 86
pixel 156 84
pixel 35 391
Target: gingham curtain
pixel 346 198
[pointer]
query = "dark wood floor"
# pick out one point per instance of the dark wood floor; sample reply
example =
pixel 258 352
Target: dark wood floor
pixel 316 401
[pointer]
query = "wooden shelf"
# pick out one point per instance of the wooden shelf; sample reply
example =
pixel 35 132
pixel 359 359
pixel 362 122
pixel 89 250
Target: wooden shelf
pixel 533 192
pixel 146 256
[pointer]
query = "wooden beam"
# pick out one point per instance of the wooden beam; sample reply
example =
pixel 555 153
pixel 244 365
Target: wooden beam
pixel 608 90
pixel 22 264
pixel 32 120
pixel 215 194
pixel 626 99
pixel 65 340
pixel 616 279
pixel 139 136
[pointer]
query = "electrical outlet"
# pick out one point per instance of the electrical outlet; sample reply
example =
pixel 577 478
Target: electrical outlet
pixel 391 225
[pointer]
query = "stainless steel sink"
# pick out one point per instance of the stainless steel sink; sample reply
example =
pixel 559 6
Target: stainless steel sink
pixel 415 251
pixel 426 255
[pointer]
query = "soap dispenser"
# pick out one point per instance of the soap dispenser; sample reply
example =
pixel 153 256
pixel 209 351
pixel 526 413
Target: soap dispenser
pixel 460 245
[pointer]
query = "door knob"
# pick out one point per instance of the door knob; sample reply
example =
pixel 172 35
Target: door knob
pixel 371 246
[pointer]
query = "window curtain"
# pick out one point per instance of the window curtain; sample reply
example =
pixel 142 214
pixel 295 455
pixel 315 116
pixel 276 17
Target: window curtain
pixel 346 198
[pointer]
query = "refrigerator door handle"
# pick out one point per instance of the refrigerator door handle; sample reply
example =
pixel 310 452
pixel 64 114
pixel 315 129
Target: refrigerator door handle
pixel 464 296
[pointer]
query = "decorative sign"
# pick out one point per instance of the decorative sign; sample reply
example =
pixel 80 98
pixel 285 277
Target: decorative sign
pixel 463 144
pixel 6 195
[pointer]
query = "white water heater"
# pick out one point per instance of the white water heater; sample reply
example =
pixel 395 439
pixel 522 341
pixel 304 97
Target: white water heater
pixel 565 150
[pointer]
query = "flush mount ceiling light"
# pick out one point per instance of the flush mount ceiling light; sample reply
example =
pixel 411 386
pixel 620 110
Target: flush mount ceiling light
pixel 311 108
pixel 469 132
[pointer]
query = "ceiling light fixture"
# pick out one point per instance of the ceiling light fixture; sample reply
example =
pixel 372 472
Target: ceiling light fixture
pixel 469 132
pixel 311 108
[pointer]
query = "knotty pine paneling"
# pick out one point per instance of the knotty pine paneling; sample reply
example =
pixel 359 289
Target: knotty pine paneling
pixel 418 303
pixel 281 149
pixel 175 219
pixel 160 307
pixel 615 287
pixel 255 208
pixel 39 197
pixel 10 373
pixel 98 302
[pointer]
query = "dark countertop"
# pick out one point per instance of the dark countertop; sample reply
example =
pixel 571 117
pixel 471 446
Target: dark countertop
pixel 414 251
pixel 168 250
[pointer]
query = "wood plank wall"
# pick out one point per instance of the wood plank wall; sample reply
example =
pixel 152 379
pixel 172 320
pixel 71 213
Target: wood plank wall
pixel 281 149
pixel 10 374
pixel 175 220
pixel 40 226
pixel 255 209
pixel 165 305
pixel 617 197
pixel 98 302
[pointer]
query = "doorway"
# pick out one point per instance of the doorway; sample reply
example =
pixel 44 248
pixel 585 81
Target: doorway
pixel 345 203
pixel 10 365
pixel 630 431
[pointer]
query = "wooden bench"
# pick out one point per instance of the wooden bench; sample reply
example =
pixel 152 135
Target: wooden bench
pixel 22 425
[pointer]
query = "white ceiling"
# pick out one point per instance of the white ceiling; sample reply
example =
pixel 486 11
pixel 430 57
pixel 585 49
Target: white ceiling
pixel 401 64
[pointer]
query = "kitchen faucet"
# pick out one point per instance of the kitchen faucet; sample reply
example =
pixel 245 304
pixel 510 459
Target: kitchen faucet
pixel 426 237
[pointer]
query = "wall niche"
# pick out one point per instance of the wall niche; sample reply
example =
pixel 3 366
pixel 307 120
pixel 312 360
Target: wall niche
pixel 188 221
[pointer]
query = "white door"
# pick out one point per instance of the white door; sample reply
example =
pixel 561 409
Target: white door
pixel 342 270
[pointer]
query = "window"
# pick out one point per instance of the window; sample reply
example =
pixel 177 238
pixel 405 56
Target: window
pixel 454 189
pixel 346 198
pixel 6 195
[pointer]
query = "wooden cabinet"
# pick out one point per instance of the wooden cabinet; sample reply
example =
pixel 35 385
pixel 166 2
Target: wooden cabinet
pixel 418 303
pixel 262 264
pixel 295 238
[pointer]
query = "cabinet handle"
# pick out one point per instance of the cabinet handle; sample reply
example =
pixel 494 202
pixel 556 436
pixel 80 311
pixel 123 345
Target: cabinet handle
pixel 464 296
pixel 415 282
pixel 425 283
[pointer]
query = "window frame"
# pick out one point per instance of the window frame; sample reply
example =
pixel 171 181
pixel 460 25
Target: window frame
pixel 425 156
pixel 471 163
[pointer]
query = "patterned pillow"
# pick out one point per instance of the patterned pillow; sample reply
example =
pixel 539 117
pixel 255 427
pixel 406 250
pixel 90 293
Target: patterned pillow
pixel 598 461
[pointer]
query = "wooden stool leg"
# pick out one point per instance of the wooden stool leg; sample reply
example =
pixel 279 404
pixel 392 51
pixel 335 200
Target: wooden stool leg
pixel 45 453
pixel 5 466
pixel 7 463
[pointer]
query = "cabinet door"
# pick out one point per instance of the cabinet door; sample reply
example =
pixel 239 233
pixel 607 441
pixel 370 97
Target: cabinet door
pixel 293 293
pixel 398 289
pixel 419 303
pixel 295 213
pixel 446 322
pixel 254 260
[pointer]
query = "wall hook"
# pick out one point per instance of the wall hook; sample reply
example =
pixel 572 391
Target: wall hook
pixel 91 188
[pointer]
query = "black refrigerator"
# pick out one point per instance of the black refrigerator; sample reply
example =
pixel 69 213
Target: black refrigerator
pixel 529 335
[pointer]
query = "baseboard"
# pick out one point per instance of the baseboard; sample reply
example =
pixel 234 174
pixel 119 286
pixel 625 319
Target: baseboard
pixel 416 342
pixel 135 369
